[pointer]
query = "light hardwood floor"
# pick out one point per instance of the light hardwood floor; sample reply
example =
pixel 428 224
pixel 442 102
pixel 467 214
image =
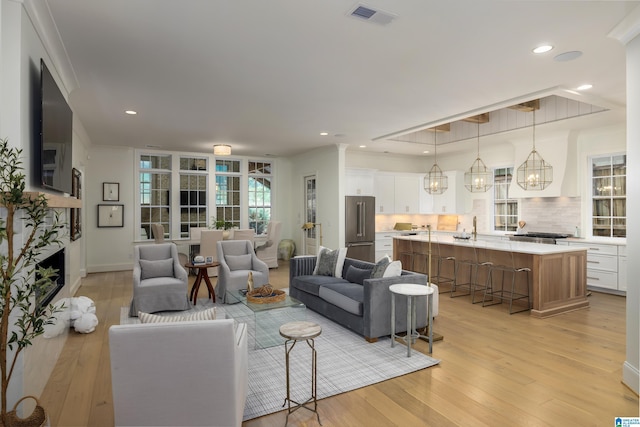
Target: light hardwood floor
pixel 495 370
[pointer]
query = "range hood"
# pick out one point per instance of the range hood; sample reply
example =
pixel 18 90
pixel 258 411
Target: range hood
pixel 561 151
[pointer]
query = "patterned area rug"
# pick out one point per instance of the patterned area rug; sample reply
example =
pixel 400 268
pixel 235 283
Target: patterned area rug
pixel 345 360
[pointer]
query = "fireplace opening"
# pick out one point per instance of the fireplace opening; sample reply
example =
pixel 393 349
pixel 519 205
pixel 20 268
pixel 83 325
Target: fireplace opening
pixel 55 261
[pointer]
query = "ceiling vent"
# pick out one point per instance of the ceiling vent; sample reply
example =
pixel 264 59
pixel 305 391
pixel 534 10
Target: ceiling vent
pixel 369 14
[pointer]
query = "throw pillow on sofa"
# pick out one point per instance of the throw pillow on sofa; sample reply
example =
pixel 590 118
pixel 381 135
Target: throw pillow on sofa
pixel 330 262
pixel 394 269
pixel 380 267
pixel 357 275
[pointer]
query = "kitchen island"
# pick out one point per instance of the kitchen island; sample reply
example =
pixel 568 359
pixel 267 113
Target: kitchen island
pixel 558 273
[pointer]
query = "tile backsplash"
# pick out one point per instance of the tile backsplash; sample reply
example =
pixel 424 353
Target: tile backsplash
pixel 558 214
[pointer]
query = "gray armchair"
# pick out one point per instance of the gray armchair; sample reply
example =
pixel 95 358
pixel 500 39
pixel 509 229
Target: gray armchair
pixel 237 259
pixel 159 281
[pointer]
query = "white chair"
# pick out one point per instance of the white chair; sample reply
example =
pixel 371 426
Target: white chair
pixel 190 373
pixel 159 281
pixel 237 259
pixel 158 232
pixel 209 247
pixel 195 233
pixel 268 252
pixel 245 234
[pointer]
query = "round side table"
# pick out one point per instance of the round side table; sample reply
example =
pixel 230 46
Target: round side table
pixel 411 291
pixel 202 274
pixel 294 332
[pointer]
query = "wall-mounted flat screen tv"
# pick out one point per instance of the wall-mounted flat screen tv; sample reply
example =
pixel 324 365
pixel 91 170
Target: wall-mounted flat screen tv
pixel 56 130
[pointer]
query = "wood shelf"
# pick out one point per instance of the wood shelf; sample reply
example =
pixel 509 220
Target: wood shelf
pixel 57 201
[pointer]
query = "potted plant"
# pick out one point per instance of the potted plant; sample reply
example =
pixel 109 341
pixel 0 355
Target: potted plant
pixel 21 317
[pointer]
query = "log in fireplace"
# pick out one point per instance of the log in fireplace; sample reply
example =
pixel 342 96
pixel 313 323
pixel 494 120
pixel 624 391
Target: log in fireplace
pixel 55 261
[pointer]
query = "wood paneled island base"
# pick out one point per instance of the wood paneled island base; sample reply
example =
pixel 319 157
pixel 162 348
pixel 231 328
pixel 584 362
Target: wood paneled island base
pixel 558 273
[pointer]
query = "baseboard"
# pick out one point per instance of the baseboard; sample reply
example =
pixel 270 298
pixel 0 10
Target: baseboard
pixel 109 267
pixel 75 286
pixel 631 376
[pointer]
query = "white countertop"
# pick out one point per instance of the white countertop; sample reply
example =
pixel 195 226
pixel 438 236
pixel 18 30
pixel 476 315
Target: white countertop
pixel 521 247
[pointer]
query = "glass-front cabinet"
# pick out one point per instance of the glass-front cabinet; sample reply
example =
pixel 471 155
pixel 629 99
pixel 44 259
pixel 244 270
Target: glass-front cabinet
pixel 609 195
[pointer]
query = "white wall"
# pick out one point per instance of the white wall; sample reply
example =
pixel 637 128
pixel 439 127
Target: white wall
pixel 327 164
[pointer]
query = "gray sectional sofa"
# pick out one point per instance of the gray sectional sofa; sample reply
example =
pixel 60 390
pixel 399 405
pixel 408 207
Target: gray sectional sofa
pixel 364 308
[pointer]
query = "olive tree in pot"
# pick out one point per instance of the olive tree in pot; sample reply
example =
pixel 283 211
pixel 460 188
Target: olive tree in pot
pixel 21 317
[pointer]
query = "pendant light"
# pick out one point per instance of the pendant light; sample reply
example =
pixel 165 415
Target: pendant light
pixel 478 179
pixel 435 182
pixel 534 173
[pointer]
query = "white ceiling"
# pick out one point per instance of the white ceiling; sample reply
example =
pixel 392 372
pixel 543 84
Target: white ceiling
pixel 268 76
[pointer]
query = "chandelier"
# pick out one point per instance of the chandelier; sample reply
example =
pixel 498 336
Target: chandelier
pixel 478 179
pixel 435 182
pixel 535 173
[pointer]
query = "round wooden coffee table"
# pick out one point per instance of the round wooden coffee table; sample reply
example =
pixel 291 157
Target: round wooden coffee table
pixel 202 274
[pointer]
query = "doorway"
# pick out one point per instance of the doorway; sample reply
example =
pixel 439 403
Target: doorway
pixel 310 199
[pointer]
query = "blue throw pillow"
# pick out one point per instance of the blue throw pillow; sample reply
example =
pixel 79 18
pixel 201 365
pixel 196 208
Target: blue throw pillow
pixel 357 275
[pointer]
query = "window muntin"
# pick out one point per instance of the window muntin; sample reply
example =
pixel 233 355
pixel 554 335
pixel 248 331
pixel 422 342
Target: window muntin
pixel 505 215
pixel 228 180
pixel 193 194
pixel 155 193
pixel 609 195
pixel 259 184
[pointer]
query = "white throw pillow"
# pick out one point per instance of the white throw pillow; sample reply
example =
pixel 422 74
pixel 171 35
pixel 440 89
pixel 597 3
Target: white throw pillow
pixel 394 269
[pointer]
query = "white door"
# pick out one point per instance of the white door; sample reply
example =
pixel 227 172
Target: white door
pixel 310 240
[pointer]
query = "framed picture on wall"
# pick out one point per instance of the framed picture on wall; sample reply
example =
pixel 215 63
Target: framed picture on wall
pixel 110 215
pixel 76 190
pixel 110 192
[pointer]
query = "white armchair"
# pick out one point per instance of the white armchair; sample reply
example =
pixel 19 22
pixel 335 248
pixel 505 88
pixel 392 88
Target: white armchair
pixel 237 259
pixel 268 252
pixel 190 373
pixel 160 281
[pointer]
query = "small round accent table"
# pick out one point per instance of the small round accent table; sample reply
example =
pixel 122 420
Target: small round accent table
pixel 294 332
pixel 411 291
pixel 202 274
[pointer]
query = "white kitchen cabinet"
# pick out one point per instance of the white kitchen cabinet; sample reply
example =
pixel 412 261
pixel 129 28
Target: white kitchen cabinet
pixel 359 182
pixel 384 244
pixel 401 194
pixel 622 268
pixel 454 200
pixel 602 265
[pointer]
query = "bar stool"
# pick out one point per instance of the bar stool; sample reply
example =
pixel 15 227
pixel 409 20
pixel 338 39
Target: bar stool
pixel 503 261
pixel 474 260
pixel 441 259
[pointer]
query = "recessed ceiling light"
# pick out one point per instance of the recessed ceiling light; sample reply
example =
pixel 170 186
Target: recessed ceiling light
pixel 363 146
pixel 568 56
pixel 425 152
pixel 324 133
pixel 584 87
pixel 543 48
pixel 131 112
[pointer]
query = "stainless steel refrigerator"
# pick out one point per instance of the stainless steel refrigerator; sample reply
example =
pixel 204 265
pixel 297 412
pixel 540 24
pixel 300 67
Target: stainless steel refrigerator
pixel 360 227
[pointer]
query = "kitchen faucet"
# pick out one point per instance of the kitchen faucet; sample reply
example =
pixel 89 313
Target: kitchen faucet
pixel 474 233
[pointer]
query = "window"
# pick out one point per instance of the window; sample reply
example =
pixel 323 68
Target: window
pixel 193 194
pixel 228 179
pixel 155 193
pixel 259 196
pixel 505 215
pixel 609 195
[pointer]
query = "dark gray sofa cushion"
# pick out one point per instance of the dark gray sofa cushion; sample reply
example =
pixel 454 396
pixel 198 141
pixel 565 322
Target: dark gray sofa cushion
pixel 357 275
pixel 347 296
pixel 311 284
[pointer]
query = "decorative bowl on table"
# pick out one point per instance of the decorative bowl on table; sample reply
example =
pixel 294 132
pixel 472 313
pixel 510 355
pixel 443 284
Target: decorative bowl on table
pixel 265 294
